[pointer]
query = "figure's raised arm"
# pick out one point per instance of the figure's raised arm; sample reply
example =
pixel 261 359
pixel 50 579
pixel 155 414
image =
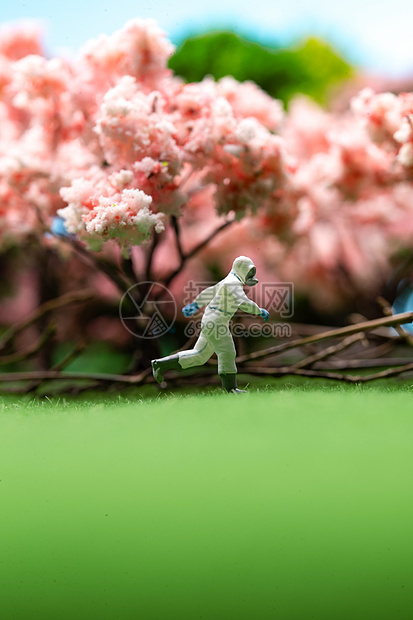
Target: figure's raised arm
pixel 247 305
pixel 206 296
pixel 201 300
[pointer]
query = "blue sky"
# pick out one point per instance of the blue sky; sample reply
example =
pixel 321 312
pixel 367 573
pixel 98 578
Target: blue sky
pixel 376 35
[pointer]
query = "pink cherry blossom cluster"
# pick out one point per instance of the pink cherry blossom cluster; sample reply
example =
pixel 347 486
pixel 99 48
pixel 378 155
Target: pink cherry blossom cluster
pixel 172 138
pixel 102 207
pixel 389 121
pixel 40 144
pixel 116 144
pixel 353 194
pixel 347 207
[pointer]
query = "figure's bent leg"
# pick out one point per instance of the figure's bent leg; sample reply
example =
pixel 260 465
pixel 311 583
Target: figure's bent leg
pixel 197 356
pixel 165 363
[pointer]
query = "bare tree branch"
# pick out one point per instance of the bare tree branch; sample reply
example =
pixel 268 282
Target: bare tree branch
pixel 19 356
pixel 100 264
pixel 195 250
pixel 48 375
pixel 328 352
pixel 398 319
pixel 128 270
pixel 73 354
pixel 356 364
pixel 149 258
pixel 177 231
pixel 304 372
pixel 59 366
pixel 387 311
pixel 48 306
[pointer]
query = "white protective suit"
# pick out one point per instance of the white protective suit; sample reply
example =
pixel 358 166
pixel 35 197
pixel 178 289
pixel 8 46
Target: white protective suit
pixel 222 301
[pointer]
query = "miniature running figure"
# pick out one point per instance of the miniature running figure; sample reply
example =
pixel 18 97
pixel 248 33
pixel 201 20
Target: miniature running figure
pixel 222 301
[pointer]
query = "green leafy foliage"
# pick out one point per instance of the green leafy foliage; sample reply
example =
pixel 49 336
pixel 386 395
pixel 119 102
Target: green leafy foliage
pixel 311 67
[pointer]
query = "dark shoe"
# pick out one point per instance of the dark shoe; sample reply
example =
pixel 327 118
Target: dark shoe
pixel 165 363
pixel 229 383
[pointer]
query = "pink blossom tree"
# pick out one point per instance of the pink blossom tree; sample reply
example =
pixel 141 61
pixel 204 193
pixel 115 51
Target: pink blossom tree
pixel 148 172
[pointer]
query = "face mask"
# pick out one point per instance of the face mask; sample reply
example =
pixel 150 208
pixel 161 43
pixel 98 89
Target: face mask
pixel 251 280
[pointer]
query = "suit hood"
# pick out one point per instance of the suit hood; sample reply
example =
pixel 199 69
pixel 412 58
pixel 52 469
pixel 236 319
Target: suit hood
pixel 241 266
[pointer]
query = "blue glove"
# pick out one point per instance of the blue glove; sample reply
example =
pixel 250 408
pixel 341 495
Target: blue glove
pixel 190 309
pixel 264 314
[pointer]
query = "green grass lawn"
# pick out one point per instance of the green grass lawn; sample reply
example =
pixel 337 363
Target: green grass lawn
pixel 287 503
